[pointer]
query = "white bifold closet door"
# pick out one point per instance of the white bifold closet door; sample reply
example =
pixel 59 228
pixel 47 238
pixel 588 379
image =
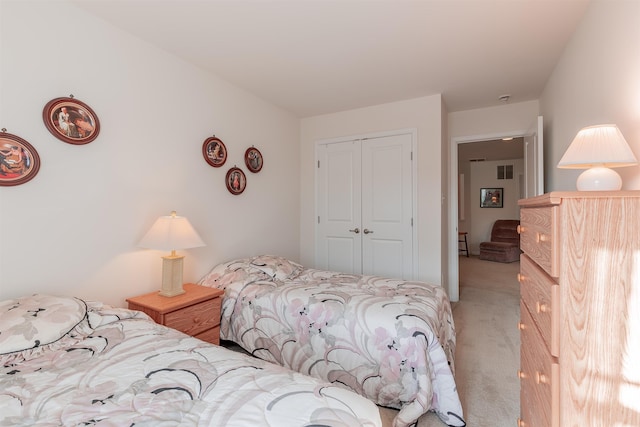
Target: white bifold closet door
pixel 365 206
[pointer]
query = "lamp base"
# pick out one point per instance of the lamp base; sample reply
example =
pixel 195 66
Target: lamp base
pixel 172 276
pixel 599 179
pixel 171 293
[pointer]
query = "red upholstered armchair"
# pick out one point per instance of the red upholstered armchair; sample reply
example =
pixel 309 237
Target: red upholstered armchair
pixel 505 242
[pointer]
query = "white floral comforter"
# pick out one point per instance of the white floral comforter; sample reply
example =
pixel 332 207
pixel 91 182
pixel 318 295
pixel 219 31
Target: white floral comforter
pixel 67 362
pixel 391 341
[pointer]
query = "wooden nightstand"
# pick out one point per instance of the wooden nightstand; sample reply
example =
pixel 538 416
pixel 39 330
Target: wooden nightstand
pixel 196 312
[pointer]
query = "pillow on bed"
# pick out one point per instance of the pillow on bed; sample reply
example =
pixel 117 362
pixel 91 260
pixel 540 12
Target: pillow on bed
pixel 277 267
pixel 36 321
pixel 237 271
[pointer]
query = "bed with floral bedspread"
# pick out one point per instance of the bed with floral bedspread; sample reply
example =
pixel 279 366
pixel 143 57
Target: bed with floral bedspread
pixel 66 362
pixel 391 341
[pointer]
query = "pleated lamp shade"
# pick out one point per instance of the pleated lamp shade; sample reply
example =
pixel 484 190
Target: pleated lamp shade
pixel 170 233
pixel 597 149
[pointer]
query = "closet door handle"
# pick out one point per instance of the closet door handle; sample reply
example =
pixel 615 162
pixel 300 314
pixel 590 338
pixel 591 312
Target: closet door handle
pixel 366 231
pixel 355 230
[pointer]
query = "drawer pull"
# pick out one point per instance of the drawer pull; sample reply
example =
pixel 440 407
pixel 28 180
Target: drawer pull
pixel 521 374
pixel 520 278
pixel 521 423
pixel 541 378
pixel 540 237
pixel 541 307
pixel 519 229
pixel 521 326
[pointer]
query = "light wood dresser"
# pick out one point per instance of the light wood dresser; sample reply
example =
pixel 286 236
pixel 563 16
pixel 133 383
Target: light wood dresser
pixel 196 312
pixel 580 310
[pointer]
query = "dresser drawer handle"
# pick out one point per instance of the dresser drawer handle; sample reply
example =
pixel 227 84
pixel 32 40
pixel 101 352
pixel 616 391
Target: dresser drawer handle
pixel 541 307
pixel 541 378
pixel 519 229
pixel 521 326
pixel 521 374
pixel 521 278
pixel 521 423
pixel 541 237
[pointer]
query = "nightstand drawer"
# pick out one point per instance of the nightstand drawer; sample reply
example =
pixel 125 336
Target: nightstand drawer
pixel 541 295
pixel 539 238
pixel 210 335
pixel 195 319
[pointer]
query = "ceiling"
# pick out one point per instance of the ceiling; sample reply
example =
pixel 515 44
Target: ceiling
pixel 313 57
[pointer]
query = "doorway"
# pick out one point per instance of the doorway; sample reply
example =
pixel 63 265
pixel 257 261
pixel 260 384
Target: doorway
pixel 534 185
pixel 496 165
pixel 453 287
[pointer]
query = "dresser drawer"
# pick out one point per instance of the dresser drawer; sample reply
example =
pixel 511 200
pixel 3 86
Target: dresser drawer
pixel 195 319
pixel 541 294
pixel 539 237
pixel 539 377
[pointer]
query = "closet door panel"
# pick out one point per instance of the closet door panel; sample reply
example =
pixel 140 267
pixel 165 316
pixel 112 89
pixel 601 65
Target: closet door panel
pixel 387 206
pixel 339 230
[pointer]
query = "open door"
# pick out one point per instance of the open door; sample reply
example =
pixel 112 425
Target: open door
pixel 533 186
pixel 533 160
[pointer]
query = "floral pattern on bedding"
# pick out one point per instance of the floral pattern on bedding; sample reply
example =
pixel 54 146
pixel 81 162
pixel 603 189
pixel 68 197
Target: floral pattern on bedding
pixel 128 370
pixel 391 341
pixel 276 267
pixel 31 325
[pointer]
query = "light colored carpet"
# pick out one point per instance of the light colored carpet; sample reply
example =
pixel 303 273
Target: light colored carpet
pixel 488 346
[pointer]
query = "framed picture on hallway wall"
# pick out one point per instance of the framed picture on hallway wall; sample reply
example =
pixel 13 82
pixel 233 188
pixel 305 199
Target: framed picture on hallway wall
pixel 491 197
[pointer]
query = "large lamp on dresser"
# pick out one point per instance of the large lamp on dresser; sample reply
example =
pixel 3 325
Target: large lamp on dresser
pixel 170 233
pixel 598 149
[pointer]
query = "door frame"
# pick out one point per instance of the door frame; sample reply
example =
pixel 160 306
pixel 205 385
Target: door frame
pixel 453 287
pixel 414 185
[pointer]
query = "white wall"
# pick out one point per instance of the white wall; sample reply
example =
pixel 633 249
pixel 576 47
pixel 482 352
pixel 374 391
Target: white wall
pixel 464 205
pixel 511 118
pixel 445 161
pixel 596 81
pixel 424 114
pixel 74 228
pixel 483 175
